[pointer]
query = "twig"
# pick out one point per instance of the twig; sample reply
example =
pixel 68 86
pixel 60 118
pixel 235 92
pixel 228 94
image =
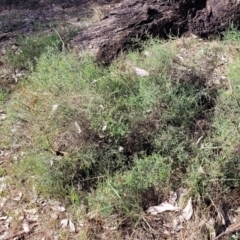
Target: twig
pixel 19 232
pixel 231 229
pixel 63 44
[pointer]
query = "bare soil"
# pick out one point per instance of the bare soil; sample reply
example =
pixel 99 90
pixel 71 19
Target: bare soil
pixel 23 18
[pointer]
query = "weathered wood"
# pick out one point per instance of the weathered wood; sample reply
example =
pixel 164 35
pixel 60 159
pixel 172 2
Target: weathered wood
pixel 137 18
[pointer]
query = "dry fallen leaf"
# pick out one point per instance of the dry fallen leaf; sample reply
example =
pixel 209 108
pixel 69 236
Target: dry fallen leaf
pixel 104 128
pixel 58 208
pixel 25 226
pixel 54 107
pixel 3 116
pixel 120 149
pixel 3 184
pixel 77 127
pixel 220 219
pixel 165 206
pixel 140 72
pixel 61 209
pixel 146 53
pixel 3 201
pixel 71 226
pixel 64 223
pixel 188 210
pixel 3 235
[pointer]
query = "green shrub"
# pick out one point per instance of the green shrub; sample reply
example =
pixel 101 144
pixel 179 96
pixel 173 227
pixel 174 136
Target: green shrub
pixel 108 136
pixel 31 48
pixel 232 35
pixel 1 95
pixel 124 193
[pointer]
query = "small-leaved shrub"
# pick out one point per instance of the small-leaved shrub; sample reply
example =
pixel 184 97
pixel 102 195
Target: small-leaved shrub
pixel 107 136
pixel 30 49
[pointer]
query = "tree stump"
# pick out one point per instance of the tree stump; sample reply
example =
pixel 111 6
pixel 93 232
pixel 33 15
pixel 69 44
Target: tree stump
pixel 133 19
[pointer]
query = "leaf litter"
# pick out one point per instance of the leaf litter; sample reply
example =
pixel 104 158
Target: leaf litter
pixel 179 211
pixel 173 204
pixel 64 223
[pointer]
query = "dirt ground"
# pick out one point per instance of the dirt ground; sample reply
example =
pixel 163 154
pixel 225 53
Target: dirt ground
pixel 31 16
pixel 26 18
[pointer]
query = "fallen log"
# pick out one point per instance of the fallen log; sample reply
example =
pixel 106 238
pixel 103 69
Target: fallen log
pixel 133 19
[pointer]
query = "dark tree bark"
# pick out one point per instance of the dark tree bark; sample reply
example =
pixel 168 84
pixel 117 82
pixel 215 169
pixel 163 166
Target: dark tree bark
pixel 134 18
